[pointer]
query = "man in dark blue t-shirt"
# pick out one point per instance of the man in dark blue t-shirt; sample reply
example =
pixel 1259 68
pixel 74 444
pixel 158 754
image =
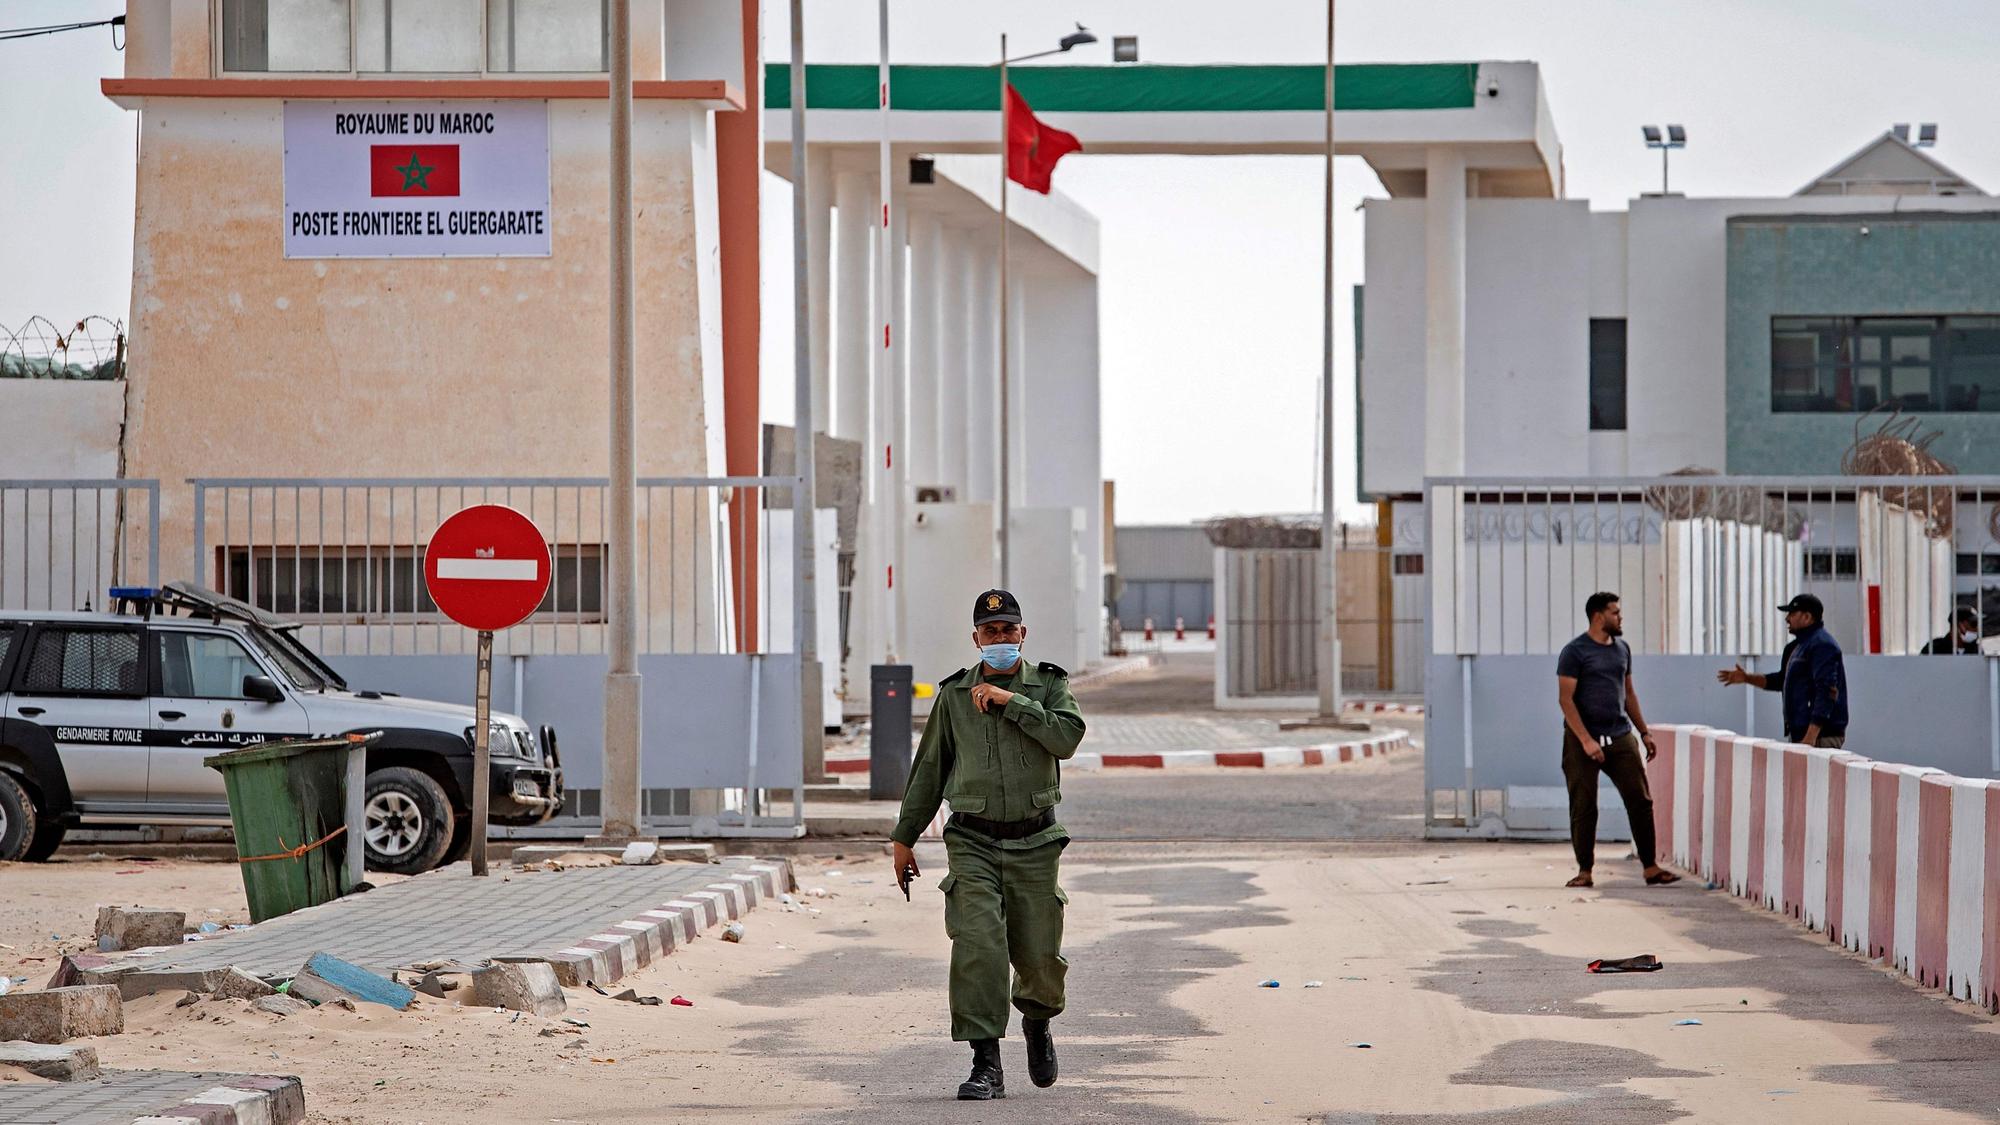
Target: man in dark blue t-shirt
pixel 1605 732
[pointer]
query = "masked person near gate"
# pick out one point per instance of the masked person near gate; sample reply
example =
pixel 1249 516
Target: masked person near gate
pixel 991 748
pixel 1962 639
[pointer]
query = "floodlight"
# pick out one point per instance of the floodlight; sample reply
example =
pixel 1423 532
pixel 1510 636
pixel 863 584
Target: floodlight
pixel 1926 134
pixel 1677 136
pixel 1652 133
pixel 1078 38
pixel 1124 48
pixel 1902 131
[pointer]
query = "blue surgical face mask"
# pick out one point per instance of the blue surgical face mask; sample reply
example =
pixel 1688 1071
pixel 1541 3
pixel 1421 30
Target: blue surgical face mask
pixel 1002 657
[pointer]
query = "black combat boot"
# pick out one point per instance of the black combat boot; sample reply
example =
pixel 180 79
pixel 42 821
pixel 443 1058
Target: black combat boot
pixel 1041 1052
pixel 986 1082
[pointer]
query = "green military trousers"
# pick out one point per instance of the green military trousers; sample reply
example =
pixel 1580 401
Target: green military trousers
pixel 1002 908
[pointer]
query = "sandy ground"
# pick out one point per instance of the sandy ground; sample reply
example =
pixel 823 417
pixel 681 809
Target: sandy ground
pixel 1461 966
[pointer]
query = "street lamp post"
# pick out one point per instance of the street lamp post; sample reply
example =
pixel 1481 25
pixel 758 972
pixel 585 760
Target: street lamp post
pixel 1078 38
pixel 1327 663
pixel 621 808
pixel 1676 137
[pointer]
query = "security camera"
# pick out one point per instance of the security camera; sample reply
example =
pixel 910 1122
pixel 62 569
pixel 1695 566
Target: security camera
pixel 1492 87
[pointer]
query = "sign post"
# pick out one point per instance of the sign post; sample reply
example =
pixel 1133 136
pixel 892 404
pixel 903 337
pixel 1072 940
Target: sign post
pixel 487 568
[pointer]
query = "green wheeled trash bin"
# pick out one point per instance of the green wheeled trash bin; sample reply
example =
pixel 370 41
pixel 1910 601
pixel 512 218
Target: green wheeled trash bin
pixel 291 802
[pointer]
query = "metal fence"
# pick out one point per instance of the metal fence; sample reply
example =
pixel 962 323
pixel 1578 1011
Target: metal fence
pixel 1700 564
pixel 346 557
pixel 724 726
pixel 1268 609
pixel 64 543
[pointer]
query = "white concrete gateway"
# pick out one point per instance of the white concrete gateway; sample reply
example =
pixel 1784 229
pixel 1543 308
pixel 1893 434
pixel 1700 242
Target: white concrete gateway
pixel 1485 127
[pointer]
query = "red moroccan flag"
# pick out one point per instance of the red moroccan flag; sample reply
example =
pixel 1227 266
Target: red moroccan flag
pixel 1032 147
pixel 412 170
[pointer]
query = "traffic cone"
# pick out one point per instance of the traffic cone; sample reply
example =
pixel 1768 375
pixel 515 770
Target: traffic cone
pixel 1149 628
pixel 1180 628
pixel 1211 626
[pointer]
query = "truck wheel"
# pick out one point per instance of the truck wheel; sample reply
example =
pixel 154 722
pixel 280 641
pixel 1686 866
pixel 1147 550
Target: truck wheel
pixel 17 819
pixel 461 841
pixel 407 821
pixel 48 837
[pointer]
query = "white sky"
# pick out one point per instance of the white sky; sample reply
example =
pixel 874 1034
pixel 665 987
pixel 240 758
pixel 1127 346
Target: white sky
pixel 1210 284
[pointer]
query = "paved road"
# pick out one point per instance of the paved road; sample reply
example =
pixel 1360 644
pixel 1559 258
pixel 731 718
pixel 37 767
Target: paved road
pixel 1462 968
pixel 1368 800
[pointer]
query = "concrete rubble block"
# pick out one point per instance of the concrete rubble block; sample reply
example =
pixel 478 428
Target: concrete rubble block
pixel 138 927
pixel 326 978
pixel 280 1005
pixel 60 1062
pixel 525 986
pixel 230 983
pixel 59 1015
pixel 235 984
pixel 88 968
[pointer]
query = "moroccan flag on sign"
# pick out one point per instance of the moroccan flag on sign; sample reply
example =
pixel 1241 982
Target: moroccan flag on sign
pixel 1032 147
pixel 412 170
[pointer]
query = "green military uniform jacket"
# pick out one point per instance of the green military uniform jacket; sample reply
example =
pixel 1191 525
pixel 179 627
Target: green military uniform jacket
pixel 1000 764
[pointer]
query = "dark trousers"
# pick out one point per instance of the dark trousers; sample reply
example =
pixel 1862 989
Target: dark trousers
pixel 1625 762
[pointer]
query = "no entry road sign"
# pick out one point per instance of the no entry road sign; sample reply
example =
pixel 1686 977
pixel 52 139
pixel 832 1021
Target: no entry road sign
pixel 487 567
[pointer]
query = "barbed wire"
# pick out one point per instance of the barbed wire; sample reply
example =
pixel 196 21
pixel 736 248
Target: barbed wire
pixel 93 348
pixel 1900 447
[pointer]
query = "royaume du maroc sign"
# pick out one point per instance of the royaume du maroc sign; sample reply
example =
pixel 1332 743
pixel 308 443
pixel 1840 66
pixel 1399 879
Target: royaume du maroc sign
pixel 416 179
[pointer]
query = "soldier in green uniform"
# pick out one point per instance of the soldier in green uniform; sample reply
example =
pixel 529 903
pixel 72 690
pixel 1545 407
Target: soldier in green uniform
pixel 991 748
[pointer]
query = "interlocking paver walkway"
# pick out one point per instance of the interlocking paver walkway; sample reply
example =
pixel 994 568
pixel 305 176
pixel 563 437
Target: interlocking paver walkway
pixel 449 915
pixel 115 1099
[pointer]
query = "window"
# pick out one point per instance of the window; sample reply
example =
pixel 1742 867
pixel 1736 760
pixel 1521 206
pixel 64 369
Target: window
pixel 1406 564
pixel 1969 565
pixel 84 661
pixel 413 36
pixel 203 665
pixel 1855 364
pixel 1607 373
pixel 1832 562
pixel 382 582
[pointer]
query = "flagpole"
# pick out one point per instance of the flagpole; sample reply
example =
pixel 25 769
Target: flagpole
pixel 1006 403
pixel 887 412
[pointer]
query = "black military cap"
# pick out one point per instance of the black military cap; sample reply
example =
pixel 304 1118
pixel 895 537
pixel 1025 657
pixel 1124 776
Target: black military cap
pixel 1805 603
pixel 995 605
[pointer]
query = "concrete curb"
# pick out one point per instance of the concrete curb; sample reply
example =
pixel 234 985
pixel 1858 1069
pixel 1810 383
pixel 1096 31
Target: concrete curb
pixel 1114 669
pixel 246 1100
pixel 626 947
pixel 1277 756
pixel 1375 708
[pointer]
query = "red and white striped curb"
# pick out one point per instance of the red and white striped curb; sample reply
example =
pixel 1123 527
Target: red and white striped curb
pixel 244 1100
pixel 1330 754
pixel 626 947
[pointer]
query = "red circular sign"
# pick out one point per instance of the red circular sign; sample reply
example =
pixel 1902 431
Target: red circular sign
pixel 487 567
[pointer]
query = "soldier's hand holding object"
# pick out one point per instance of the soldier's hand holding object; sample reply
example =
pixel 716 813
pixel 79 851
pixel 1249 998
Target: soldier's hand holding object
pixel 986 696
pixel 906 861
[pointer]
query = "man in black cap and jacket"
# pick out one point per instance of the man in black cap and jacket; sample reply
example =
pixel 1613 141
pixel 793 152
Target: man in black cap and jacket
pixel 1812 675
pixel 991 747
